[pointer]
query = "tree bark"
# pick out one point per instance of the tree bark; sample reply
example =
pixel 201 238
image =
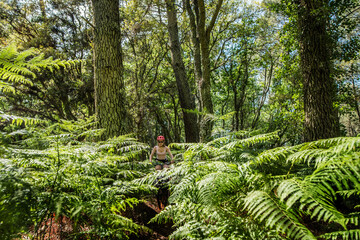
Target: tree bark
pixel 201 42
pixel 110 97
pixel 196 44
pixel 356 98
pixel 187 100
pixel 205 84
pixel 43 10
pixel 321 118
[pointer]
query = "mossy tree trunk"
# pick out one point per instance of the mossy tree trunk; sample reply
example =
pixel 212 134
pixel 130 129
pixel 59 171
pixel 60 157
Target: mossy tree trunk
pixel 321 117
pixel 110 97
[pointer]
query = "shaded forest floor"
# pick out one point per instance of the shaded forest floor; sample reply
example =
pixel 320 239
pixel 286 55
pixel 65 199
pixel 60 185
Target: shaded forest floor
pixel 142 214
pixel 57 228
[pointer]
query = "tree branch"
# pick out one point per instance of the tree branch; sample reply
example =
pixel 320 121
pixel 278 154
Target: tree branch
pixel 213 19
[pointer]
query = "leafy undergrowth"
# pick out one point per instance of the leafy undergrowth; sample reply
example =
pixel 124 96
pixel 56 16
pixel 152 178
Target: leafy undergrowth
pixel 239 187
pixel 57 182
pixel 62 227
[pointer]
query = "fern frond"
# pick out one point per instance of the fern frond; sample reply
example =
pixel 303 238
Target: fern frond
pixel 188 231
pixel 345 235
pixel 327 143
pixel 343 174
pixel 180 146
pixel 265 208
pixel 129 174
pixel 6 88
pixel 221 189
pixel 167 214
pixel 20 120
pixel 120 223
pixel 349 172
pixel 353 218
pixel 348 193
pixel 322 151
pixel 6 163
pixel 21 67
pixel 349 144
pixel 199 151
pixel 277 154
pixel 218 142
pixel 186 189
pixel 316 202
pixel 261 138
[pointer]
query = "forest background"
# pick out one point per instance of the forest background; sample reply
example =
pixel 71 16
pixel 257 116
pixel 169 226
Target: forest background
pixel 268 90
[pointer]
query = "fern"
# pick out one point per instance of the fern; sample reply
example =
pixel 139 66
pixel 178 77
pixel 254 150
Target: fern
pixel 20 67
pixel 313 199
pixel 247 142
pixel 21 120
pixel 266 208
pixel 80 180
pixel 325 150
pixel 233 187
pixel 276 155
pixel 353 218
pixel 6 88
pixel 282 188
pixel 345 235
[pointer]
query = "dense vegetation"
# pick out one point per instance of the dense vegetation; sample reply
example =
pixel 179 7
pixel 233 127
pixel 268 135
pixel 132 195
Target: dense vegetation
pixel 259 103
pixel 234 187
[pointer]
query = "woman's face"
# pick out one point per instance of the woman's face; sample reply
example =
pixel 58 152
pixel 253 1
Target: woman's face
pixel 161 143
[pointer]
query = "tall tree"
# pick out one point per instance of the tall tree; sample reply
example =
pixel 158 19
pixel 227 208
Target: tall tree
pixel 321 118
pixel 110 97
pixel 201 41
pixel 187 99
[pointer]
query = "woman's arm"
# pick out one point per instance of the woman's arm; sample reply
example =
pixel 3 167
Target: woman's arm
pixel 168 150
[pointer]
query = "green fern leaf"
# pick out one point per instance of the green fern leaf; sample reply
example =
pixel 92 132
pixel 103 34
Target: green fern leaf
pixel 310 198
pixel 6 88
pixel 344 235
pixel 264 207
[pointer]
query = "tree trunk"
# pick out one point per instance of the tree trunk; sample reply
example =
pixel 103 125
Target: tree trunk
pixel 43 11
pixel 356 98
pixel 195 41
pixel 201 42
pixel 187 100
pixel 205 84
pixel 321 119
pixel 110 97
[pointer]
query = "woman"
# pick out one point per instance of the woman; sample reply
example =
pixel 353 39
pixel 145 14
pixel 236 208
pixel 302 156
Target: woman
pixel 161 150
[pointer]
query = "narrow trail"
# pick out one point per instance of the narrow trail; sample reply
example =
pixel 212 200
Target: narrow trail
pixel 142 214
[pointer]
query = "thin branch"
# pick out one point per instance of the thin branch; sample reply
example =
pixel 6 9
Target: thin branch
pixel 213 19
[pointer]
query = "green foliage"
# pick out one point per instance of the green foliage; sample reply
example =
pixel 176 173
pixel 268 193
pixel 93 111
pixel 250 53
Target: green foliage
pixel 209 187
pixel 34 86
pixel 61 170
pixel 237 186
pixel 19 120
pixel 16 199
pixel 19 68
pixel 275 215
pixel 236 189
